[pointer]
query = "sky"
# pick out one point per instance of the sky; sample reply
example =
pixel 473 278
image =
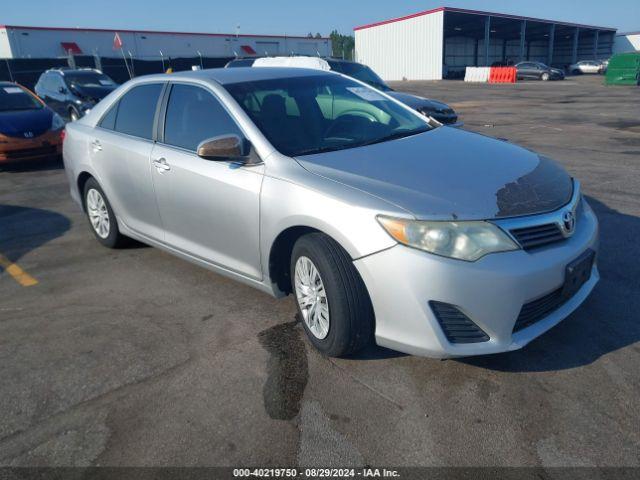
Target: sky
pixel 292 17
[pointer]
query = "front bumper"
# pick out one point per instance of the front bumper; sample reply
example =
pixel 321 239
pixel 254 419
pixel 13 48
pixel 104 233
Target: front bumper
pixel 43 146
pixel 491 292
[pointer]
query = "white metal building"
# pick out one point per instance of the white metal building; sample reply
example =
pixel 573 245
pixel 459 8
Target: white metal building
pixel 627 42
pixel 43 42
pixel 428 45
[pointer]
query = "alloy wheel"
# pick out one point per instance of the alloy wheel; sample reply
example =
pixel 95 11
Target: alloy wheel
pixel 312 297
pixel 98 213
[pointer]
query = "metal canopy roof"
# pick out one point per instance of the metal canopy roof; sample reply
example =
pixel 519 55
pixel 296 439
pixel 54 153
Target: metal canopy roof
pixel 495 17
pixel 463 24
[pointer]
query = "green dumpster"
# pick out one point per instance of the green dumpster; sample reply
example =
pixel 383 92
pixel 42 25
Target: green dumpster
pixel 624 69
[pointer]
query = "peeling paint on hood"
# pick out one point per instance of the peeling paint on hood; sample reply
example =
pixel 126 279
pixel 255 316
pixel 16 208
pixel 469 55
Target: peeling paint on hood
pixel 447 173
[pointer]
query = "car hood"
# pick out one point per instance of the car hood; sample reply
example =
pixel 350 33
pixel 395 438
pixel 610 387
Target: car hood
pixel 416 102
pixel 25 123
pixel 95 93
pixel 447 173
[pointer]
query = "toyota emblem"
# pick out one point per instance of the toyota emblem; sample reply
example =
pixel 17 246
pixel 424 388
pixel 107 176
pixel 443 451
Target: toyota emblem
pixel 28 134
pixel 568 222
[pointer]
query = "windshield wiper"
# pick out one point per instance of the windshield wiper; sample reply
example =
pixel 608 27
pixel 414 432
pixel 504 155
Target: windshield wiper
pixel 313 150
pixel 394 136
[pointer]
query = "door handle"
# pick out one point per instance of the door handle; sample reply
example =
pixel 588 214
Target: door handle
pixel 161 165
pixel 96 145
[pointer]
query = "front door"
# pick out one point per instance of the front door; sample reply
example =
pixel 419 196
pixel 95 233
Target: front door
pixel 56 94
pixel 209 209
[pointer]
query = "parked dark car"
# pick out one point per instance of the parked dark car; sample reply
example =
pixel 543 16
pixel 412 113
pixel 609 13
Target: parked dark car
pixel 538 71
pixel 72 93
pixel 431 108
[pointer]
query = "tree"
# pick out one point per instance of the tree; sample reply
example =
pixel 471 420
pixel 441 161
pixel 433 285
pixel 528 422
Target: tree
pixel 342 45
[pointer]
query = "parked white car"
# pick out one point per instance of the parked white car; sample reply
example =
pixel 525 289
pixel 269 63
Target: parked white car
pixel 586 66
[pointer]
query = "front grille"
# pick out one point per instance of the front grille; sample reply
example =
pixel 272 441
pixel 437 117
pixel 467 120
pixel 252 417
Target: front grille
pixel 537 236
pixel 457 327
pixel 30 152
pixel 538 309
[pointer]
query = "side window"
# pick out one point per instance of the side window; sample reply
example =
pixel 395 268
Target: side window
pixel 137 109
pixel 194 115
pixel 109 120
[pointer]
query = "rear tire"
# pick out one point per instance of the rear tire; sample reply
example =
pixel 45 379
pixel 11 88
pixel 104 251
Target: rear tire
pixel 544 77
pixel 101 218
pixel 344 315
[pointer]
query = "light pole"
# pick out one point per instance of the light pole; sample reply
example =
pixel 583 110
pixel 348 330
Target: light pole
pixel 133 70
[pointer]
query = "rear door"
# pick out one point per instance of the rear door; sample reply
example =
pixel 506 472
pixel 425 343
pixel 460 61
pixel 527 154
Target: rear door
pixel 209 209
pixel 121 152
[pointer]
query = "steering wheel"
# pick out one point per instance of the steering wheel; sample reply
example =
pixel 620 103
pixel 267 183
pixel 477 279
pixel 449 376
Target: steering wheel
pixel 347 120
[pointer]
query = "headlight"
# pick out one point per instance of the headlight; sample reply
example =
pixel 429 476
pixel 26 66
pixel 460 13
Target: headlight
pixel 57 122
pixel 461 240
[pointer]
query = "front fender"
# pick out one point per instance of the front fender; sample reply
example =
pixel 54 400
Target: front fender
pixel 350 222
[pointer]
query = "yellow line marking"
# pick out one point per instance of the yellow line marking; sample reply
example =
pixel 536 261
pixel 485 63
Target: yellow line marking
pixel 19 275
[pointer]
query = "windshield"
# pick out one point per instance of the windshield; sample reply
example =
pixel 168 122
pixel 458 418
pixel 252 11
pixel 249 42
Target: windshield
pixel 88 79
pixel 14 97
pixel 360 72
pixel 305 115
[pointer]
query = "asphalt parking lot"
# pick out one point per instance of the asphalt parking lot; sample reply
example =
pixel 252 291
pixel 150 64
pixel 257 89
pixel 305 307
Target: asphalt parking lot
pixel 134 357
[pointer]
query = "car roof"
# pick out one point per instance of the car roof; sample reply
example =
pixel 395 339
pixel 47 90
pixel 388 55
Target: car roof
pixel 225 76
pixel 65 70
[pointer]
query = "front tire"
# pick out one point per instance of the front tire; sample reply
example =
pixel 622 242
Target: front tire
pixel 332 300
pixel 101 217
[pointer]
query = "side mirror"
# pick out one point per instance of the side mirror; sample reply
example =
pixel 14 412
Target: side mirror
pixel 62 90
pixel 224 147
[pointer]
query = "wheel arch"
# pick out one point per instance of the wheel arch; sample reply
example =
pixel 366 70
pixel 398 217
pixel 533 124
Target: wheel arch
pixel 280 255
pixel 81 181
pixel 279 258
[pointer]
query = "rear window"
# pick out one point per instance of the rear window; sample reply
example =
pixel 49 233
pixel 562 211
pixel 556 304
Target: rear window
pixel 137 109
pixel 14 97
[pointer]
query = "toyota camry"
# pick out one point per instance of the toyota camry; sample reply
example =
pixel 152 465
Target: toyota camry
pixel 385 226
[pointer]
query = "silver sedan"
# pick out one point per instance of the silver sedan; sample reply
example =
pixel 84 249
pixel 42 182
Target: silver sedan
pixel 386 226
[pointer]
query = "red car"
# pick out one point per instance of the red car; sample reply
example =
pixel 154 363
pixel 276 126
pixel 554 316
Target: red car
pixel 28 128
